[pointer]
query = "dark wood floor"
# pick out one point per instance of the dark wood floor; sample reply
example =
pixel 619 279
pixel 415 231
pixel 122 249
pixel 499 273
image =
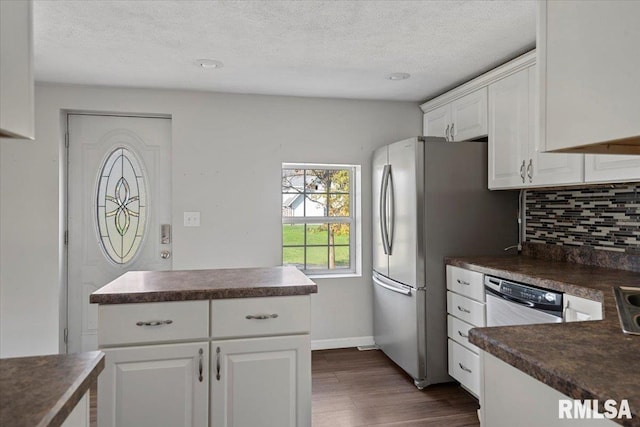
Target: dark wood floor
pixel 364 388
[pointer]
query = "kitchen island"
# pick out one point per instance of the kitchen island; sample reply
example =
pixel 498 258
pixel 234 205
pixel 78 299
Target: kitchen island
pixel 50 390
pixel 184 347
pixel 581 360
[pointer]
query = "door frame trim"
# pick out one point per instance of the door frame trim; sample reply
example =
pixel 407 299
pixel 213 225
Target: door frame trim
pixel 63 346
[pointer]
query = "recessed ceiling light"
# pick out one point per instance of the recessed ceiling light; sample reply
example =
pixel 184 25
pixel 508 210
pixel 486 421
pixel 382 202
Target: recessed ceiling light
pixel 398 76
pixel 209 63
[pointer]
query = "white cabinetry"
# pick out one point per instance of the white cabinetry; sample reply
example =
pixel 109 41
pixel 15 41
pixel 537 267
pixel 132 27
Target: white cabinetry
pixel 577 309
pixel 513 398
pixel 155 385
pixel 16 70
pixel 466 310
pixel 515 160
pixel 462 119
pixel 611 168
pixel 80 415
pixel 261 382
pixel 161 364
pixel 263 378
pixel 589 73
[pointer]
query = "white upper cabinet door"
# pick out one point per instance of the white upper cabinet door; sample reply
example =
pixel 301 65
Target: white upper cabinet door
pixel 549 168
pixel 438 122
pixel 509 131
pixel 16 70
pixel 469 116
pixel 611 168
pixel 588 54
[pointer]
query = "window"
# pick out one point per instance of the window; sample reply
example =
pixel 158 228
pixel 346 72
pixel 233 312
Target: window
pixel 319 218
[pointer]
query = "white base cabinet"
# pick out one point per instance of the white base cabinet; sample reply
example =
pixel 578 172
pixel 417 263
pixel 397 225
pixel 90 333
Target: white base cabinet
pixel 513 398
pixel 261 382
pixel 80 416
pixel 159 385
pixel 225 362
pixel 577 309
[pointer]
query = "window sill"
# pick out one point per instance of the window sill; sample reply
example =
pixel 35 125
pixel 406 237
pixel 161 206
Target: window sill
pixel 333 276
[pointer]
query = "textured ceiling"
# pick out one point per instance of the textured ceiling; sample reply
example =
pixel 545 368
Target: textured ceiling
pixel 338 49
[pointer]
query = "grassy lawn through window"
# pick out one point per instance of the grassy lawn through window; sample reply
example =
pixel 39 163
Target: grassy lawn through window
pixel 317 241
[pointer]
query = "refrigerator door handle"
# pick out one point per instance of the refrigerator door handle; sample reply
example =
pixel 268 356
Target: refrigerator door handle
pixel 391 218
pixel 404 291
pixel 383 208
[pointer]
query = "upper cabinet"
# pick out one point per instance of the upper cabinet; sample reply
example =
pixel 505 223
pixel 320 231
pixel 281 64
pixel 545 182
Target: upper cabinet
pixel 589 62
pixel 458 118
pixel 16 70
pixel 515 160
pixel 611 168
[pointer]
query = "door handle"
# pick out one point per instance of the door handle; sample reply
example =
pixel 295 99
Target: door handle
pixel 218 363
pixel 446 133
pixel 200 377
pixel 383 208
pixel 522 166
pixel 392 213
pixel 397 289
pixel 452 139
pixel 464 310
pixel 530 170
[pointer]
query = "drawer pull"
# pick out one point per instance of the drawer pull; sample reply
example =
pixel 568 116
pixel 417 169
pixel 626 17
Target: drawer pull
pixel 155 323
pixel 462 282
pixel 464 310
pixel 464 368
pixel 463 335
pixel 218 363
pixel 200 378
pixel 261 316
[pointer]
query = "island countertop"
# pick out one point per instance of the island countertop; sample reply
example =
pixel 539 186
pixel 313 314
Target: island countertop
pixel 43 390
pixel 183 285
pixel 584 360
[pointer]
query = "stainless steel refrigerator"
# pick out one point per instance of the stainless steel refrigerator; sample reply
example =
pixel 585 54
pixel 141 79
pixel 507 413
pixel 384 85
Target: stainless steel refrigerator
pixel 430 200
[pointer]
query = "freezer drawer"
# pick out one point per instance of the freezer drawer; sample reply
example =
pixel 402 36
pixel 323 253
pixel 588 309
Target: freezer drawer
pixel 397 328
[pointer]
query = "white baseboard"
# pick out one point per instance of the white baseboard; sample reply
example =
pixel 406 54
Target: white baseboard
pixel 341 343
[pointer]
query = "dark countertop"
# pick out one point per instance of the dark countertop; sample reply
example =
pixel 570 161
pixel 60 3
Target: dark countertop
pixel 43 390
pixel 584 360
pixel 154 286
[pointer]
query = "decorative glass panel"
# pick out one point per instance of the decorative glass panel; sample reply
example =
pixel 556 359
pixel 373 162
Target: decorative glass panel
pixel 121 205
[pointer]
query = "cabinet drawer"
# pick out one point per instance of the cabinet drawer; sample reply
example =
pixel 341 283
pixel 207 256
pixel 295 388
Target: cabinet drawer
pixel 459 332
pixel 253 317
pixel 464 366
pixel 152 322
pixel 466 282
pixel 466 309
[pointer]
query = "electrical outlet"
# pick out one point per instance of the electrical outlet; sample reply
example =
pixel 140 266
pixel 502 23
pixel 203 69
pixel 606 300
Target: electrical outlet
pixel 192 219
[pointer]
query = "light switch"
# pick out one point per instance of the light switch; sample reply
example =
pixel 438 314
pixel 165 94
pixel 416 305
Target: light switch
pixel 192 219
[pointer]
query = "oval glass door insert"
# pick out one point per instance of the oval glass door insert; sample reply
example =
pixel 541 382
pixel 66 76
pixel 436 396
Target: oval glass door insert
pixel 121 205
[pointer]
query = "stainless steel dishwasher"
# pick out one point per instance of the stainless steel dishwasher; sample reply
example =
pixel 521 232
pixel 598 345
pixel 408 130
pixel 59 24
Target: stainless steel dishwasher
pixel 511 303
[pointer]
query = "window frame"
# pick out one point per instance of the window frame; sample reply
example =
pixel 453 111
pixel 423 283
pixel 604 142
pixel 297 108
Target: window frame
pixel 354 221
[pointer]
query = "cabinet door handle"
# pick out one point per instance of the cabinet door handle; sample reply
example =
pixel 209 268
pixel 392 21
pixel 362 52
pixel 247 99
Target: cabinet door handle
pixel 446 133
pixel 200 365
pixel 464 368
pixel 451 131
pixel 462 282
pixel 464 310
pixel 530 170
pixel 261 316
pixel 154 322
pixel 462 335
pixel 218 363
pixel 522 171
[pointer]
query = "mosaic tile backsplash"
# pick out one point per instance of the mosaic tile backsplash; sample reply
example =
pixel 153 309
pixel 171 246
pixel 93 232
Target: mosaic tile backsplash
pixel 604 217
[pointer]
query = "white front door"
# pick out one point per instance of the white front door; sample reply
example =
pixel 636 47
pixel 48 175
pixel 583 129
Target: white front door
pixel 119 212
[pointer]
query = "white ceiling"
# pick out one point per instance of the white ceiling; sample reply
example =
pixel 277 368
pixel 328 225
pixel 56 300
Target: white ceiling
pixel 337 49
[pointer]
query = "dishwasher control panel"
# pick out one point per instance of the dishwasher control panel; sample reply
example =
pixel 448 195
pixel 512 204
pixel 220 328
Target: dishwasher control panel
pixel 524 293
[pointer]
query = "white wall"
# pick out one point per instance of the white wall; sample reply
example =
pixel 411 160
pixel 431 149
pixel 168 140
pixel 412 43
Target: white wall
pixel 215 136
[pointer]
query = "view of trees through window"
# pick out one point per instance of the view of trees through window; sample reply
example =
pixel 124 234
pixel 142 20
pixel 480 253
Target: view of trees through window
pixel 317 217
